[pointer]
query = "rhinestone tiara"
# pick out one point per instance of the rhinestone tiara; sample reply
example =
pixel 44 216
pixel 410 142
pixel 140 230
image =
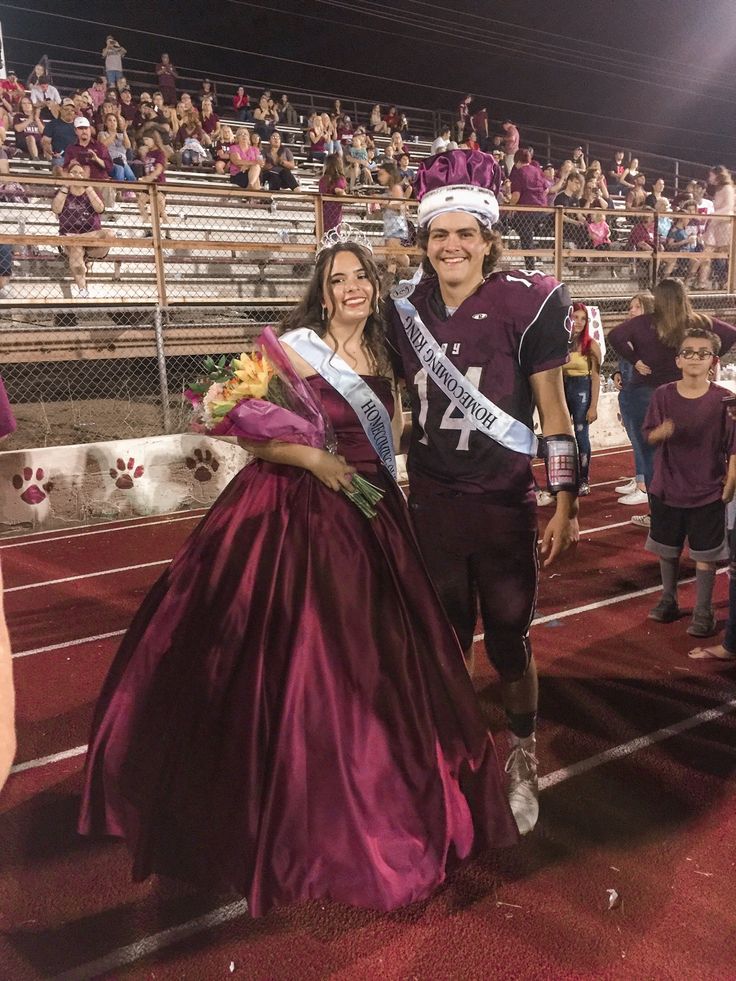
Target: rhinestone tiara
pixel 341 234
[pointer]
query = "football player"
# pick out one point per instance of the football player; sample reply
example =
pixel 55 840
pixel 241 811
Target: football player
pixel 476 350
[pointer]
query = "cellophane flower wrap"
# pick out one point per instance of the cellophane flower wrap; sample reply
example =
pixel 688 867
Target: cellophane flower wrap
pixel 259 397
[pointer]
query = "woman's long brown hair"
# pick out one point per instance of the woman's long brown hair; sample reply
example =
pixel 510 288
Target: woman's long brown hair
pixel 674 314
pixel 308 312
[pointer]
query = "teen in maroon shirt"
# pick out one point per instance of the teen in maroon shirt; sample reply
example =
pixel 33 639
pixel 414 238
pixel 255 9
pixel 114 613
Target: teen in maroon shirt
pixel 694 476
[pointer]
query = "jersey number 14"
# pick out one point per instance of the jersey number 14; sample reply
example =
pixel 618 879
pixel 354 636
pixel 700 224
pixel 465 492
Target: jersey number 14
pixel 453 418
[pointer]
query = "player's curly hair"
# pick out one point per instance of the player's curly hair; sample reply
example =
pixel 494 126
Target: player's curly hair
pixel 489 262
pixel 310 311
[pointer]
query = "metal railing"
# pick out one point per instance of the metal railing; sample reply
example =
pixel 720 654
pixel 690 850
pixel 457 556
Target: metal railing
pixel 179 272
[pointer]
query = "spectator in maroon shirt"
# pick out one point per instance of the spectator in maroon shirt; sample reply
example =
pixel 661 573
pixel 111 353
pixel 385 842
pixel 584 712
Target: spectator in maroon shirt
pixel 287 113
pixel 616 175
pixel 479 122
pixel 241 104
pixel 191 139
pixel 79 208
pixel 153 159
pixel 208 92
pixel 28 128
pixel 221 150
pixel 167 76
pixel 12 90
pixel 128 108
pixel 510 142
pixel 392 119
pixel 92 155
pixel 650 343
pixel 463 116
pixel 210 120
pixel 529 187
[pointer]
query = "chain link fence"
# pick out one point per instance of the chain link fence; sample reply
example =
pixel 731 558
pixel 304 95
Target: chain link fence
pixel 101 333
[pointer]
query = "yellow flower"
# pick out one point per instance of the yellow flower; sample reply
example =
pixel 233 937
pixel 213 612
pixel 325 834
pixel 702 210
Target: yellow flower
pixel 252 376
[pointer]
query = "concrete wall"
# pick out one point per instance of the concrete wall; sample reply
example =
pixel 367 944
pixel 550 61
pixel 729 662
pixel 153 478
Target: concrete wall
pixel 62 485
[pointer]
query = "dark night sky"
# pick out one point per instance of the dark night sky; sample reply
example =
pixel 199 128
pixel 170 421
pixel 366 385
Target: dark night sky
pixel 690 49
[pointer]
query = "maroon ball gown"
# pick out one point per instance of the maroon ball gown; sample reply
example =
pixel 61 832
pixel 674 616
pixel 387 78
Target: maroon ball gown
pixel 289 713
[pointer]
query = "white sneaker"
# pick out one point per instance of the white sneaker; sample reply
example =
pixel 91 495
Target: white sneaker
pixel 523 790
pixel 636 497
pixel 626 488
pixel 544 498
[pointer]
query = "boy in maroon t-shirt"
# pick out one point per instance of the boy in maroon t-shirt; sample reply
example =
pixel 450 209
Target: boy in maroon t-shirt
pixel 694 477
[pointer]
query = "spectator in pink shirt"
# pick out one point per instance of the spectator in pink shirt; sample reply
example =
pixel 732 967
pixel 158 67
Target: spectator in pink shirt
pixel 246 162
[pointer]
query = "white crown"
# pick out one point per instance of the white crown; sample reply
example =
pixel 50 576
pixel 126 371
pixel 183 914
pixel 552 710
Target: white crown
pixel 341 234
pixel 477 201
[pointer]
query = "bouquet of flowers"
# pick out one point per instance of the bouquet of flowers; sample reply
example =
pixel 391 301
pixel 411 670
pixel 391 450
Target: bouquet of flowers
pixel 260 397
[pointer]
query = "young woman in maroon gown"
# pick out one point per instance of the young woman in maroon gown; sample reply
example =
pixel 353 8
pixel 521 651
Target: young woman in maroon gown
pixel 289 713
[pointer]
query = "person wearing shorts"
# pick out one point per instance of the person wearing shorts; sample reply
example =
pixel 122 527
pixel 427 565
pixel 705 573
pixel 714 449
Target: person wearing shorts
pixel 472 499
pixel 694 477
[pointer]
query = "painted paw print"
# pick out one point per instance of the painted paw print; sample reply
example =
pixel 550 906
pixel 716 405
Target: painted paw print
pixel 124 475
pixel 35 491
pixel 204 465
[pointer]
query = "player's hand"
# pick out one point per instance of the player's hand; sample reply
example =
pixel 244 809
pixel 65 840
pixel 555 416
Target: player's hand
pixel 642 368
pixel 561 532
pixel 591 415
pixel 617 380
pixel 333 471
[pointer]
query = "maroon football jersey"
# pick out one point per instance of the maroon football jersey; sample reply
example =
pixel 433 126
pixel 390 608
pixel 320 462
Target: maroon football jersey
pixel 515 325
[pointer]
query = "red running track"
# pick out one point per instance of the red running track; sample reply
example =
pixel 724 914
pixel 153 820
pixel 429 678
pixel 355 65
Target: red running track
pixel 637 747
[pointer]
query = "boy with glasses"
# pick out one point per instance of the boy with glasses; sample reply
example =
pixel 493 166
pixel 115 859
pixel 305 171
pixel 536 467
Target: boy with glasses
pixel 694 477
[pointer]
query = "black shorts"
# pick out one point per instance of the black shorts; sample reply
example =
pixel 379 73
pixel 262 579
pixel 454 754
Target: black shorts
pixel 482 554
pixel 704 528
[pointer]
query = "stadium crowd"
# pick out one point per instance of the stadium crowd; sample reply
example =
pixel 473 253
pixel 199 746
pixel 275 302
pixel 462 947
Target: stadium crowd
pixel 259 143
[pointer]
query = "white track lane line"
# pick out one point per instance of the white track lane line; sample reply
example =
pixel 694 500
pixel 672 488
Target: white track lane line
pixel 123 956
pixel 643 742
pixel 146 565
pixel 66 754
pixel 87 575
pixel 158 942
pixel 599 604
pixel 44 760
pixel 100 531
pixel 39 536
pixel 69 643
pixel 119 633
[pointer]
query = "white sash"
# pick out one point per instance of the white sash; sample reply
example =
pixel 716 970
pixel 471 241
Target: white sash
pixel 486 417
pixel 369 409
